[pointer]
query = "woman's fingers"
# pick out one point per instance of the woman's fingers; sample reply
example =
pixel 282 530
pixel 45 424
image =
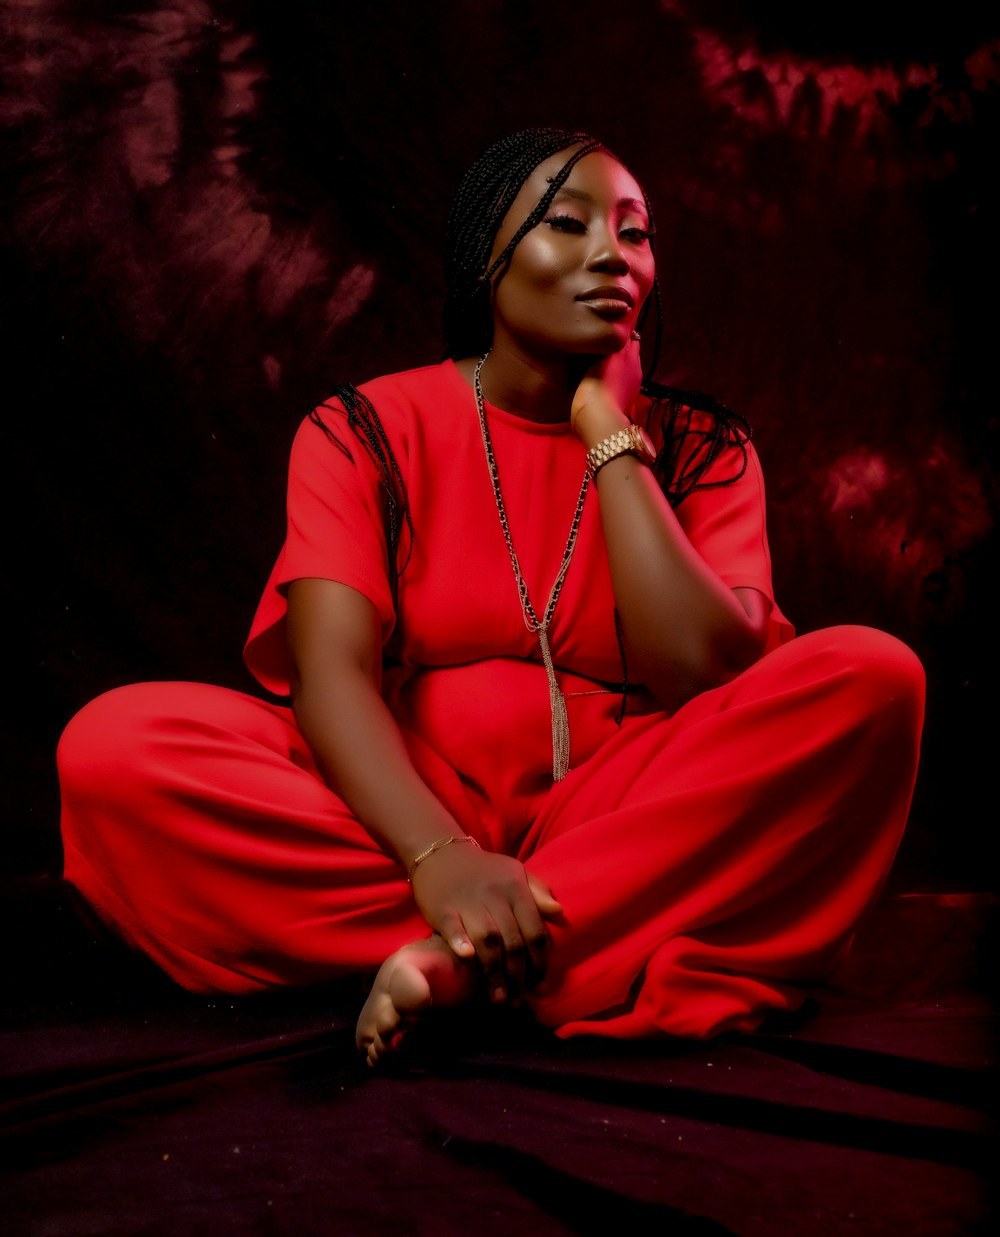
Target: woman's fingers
pixel 453 931
pixel 502 952
pixel 489 943
pixel 477 936
pixel 545 900
pixel 514 965
pixel 488 907
pixel 534 936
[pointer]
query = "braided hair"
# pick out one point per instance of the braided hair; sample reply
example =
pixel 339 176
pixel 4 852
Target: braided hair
pixel 486 193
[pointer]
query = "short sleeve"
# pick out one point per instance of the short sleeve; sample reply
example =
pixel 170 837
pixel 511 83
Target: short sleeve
pixel 335 531
pixel 726 524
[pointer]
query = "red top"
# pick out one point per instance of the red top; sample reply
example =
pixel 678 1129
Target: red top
pixel 457 597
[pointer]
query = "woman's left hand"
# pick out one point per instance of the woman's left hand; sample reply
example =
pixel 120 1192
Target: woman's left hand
pixel 605 393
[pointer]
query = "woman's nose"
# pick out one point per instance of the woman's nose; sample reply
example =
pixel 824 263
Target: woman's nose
pixel 608 253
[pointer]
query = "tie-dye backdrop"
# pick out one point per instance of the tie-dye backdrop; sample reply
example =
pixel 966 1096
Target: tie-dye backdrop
pixel 214 211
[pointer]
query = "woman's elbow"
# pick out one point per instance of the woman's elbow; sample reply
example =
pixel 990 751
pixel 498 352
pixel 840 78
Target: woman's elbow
pixel 678 678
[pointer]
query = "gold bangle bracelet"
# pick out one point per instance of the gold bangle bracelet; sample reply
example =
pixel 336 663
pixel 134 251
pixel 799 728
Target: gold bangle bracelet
pixel 434 847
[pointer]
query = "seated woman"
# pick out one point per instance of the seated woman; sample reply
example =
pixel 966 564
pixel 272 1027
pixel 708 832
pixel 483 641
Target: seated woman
pixel 550 738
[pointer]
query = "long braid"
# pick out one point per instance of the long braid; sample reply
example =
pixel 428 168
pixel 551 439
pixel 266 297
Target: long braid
pixel 692 444
pixel 363 421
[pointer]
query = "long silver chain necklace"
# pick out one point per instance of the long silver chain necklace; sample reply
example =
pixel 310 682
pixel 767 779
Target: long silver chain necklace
pixel 539 627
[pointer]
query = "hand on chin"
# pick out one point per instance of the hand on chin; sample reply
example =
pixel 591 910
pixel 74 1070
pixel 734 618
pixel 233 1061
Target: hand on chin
pixel 606 392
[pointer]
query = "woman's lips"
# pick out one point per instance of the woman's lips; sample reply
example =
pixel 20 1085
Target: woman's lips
pixel 609 302
pixel 607 307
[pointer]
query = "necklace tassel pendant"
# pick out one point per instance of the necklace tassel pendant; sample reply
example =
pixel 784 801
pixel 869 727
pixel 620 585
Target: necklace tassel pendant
pixel 557 701
pixel 560 717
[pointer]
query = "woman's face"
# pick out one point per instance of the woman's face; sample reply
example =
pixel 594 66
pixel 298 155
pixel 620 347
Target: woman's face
pixel 577 281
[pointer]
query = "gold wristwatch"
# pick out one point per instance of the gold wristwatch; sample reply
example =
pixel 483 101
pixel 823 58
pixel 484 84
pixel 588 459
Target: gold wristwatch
pixel 628 441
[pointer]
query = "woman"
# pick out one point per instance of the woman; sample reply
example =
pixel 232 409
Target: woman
pixel 550 737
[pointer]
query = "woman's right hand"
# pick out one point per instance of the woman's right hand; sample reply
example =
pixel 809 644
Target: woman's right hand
pixel 490 907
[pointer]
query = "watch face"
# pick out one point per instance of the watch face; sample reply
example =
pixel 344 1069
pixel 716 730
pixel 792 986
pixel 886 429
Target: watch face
pixel 646 443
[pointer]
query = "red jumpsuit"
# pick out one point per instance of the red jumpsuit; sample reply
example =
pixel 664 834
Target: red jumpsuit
pixel 710 863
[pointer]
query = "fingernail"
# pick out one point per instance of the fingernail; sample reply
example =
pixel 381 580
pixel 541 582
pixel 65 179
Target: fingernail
pixel 498 995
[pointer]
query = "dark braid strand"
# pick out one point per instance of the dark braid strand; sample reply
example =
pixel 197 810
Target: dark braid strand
pixel 672 414
pixel 363 421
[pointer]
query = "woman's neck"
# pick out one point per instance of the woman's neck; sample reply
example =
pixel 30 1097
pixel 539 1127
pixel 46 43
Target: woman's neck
pixel 537 390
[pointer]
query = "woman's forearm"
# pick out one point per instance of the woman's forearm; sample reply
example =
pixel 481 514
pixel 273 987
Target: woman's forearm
pixel 361 754
pixel 684 629
pixel 336 650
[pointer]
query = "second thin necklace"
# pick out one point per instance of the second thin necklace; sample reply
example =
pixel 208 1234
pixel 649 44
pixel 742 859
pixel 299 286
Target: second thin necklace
pixel 539 626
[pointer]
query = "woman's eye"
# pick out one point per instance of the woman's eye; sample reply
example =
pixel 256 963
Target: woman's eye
pixel 566 223
pixel 569 223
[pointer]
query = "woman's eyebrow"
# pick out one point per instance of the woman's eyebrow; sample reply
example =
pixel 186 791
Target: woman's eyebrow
pixel 582 196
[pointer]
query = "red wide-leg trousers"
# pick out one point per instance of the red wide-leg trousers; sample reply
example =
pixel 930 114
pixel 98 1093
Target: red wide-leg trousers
pixel 710 864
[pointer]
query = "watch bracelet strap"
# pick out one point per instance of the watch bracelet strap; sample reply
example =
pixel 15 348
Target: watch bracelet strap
pixel 621 442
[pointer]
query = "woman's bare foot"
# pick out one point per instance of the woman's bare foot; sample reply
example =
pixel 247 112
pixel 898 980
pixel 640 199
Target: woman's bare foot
pixel 421 975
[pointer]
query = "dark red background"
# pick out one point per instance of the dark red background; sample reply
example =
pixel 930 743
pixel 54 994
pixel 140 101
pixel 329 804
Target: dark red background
pixel 217 211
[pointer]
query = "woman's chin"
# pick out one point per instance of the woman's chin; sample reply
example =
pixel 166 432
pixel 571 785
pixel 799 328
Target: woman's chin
pixel 583 344
pixel 612 338
pixel 607 344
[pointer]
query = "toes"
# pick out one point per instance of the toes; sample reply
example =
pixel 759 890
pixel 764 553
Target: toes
pixel 400 995
pixel 384 1044
pixel 381 1028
